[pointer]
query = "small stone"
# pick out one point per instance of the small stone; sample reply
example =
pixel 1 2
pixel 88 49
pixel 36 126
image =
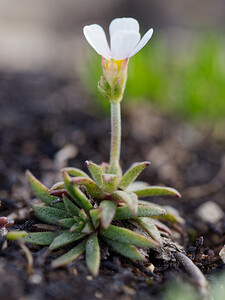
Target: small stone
pixel 35 279
pixel 210 212
pixel 98 295
pixel 222 254
pixel 89 277
pixel 151 268
pixel 128 290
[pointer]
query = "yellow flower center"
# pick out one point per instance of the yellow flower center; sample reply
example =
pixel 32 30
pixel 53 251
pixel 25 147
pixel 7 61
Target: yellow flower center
pixel 118 63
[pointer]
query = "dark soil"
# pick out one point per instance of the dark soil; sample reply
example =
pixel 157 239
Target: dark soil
pixel 41 115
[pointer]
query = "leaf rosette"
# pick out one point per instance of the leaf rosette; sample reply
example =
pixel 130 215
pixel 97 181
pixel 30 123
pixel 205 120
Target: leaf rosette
pixel 89 209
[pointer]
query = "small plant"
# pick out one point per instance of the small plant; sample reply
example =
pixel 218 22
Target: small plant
pixel 104 208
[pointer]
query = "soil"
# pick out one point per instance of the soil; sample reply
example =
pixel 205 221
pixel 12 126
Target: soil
pixel 41 115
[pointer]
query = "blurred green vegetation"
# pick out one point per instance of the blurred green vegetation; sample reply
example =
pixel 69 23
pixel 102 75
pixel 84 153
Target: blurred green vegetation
pixel 185 78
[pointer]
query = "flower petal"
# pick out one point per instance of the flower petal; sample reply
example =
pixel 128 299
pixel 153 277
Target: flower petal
pixel 123 42
pixel 96 37
pixel 123 24
pixel 142 42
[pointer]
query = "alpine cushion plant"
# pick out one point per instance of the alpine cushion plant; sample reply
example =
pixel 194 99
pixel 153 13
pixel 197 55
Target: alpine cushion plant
pixel 102 207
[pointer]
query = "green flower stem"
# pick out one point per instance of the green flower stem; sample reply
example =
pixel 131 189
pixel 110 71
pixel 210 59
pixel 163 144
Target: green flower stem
pixel 115 139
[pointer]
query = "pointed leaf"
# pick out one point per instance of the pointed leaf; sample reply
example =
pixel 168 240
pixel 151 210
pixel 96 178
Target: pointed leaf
pixel 78 226
pixel 83 215
pixel 173 215
pixel 161 226
pixel 95 216
pixel 93 254
pixel 96 172
pixel 128 236
pixel 58 186
pixel 157 191
pixel 150 228
pixel 130 199
pixel 109 182
pixel 126 250
pixel 108 210
pixel 65 238
pixel 93 190
pixel 132 174
pixel 78 196
pixel 50 214
pixel 88 228
pixel 74 172
pixel 41 238
pixel 143 211
pixel 41 191
pixel 69 256
pixel 71 208
pixel 68 222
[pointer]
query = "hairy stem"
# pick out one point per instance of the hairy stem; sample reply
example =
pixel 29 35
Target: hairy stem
pixel 115 139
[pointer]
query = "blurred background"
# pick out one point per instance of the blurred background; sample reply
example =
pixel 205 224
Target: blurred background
pixel 181 71
pixel 52 116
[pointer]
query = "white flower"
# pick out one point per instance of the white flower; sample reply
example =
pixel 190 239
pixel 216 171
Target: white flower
pixel 125 39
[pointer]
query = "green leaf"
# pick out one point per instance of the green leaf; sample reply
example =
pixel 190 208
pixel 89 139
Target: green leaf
pixel 150 228
pixel 96 172
pixel 93 254
pixel 50 214
pixel 68 222
pixel 132 174
pixel 115 168
pixel 108 210
pixel 40 191
pixel 41 238
pixel 74 172
pixel 58 186
pixel 137 185
pixel 88 228
pixel 130 199
pixel 127 236
pixel 14 235
pixel 93 190
pixel 76 193
pixel 157 191
pixel 105 167
pixel 78 226
pixel 173 215
pixel 72 209
pixel 143 211
pixel 161 226
pixel 126 250
pixel 95 216
pixel 83 215
pixel 109 182
pixel 65 238
pixel 69 256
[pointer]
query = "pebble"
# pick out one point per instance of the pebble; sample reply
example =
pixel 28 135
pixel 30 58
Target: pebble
pixel 210 212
